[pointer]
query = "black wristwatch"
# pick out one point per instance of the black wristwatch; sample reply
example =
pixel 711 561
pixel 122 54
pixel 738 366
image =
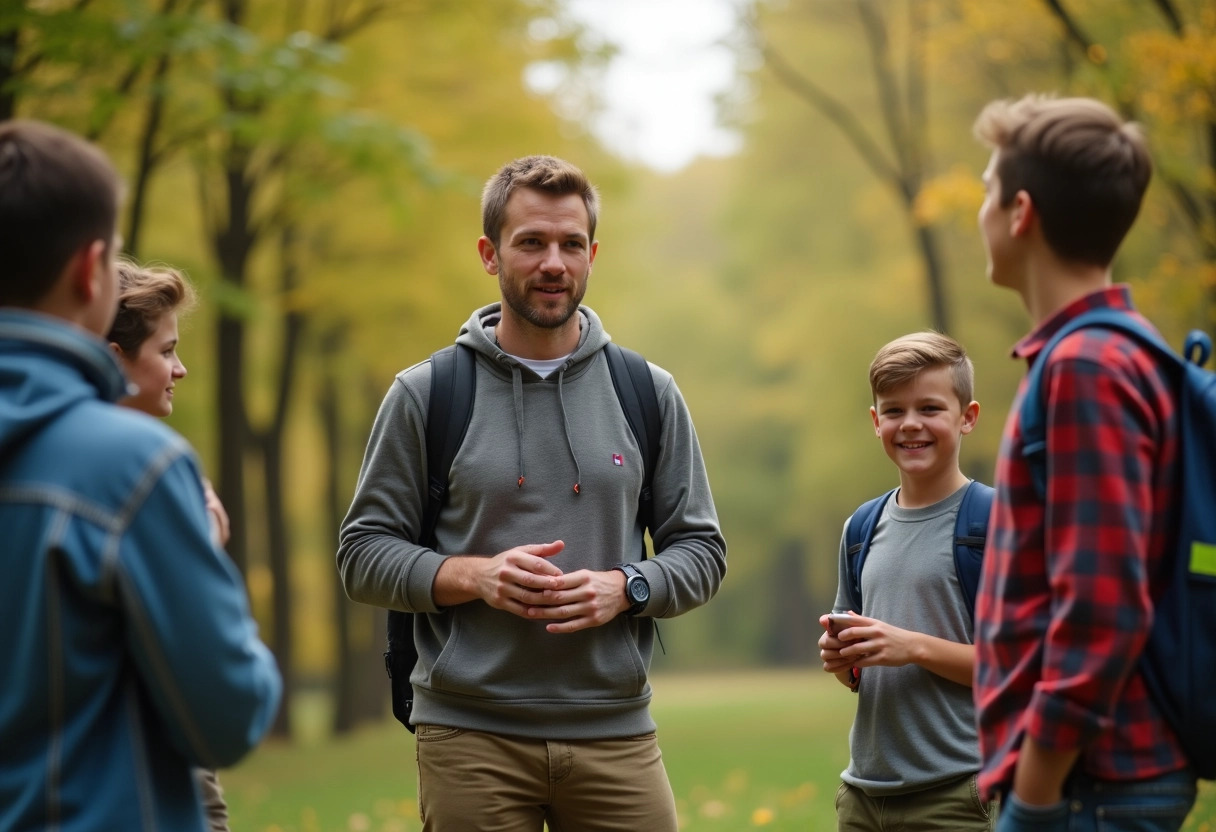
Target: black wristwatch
pixel 637 588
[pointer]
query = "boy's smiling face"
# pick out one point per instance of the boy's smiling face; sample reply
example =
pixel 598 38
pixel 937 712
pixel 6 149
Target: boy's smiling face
pixel 921 424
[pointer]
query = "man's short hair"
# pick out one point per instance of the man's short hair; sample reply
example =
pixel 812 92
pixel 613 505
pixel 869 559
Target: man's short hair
pixel 542 173
pixel 903 359
pixel 1084 167
pixel 58 193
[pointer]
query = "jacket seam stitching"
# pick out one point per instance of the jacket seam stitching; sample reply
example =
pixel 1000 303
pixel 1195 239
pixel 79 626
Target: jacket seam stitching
pixel 64 500
pixel 55 682
pixel 153 473
pixel 144 631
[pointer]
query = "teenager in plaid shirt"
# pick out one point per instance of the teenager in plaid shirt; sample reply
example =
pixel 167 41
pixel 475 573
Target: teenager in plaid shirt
pixel 1067 732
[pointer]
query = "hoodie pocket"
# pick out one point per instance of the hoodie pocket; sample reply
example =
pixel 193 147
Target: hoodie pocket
pixel 495 655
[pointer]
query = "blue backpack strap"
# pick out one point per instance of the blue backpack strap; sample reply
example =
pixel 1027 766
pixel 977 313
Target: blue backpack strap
pixel 857 536
pixel 970 534
pixel 1033 411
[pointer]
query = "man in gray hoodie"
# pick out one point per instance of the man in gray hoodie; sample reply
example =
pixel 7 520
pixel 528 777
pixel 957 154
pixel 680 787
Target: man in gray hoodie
pixel 531 692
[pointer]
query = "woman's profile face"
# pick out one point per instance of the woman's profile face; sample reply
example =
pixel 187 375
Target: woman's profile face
pixel 155 369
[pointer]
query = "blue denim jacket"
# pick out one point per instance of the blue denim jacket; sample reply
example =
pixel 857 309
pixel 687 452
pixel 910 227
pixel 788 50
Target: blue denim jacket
pixel 127 650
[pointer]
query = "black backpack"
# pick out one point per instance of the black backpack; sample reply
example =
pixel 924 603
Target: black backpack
pixel 453 388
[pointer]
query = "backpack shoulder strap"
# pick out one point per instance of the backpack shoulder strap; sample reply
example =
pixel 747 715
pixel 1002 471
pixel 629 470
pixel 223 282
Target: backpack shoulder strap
pixel 634 385
pixel 449 411
pixel 858 533
pixel 1032 414
pixel 970 534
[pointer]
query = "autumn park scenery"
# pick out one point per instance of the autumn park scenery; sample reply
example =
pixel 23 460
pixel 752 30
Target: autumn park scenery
pixel 315 166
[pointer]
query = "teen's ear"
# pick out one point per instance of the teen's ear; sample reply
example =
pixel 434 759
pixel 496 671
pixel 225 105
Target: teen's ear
pixel 489 255
pixel 1022 215
pixel 117 350
pixel 971 415
pixel 874 418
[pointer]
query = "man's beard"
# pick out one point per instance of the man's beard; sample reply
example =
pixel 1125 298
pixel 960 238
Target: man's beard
pixel 540 317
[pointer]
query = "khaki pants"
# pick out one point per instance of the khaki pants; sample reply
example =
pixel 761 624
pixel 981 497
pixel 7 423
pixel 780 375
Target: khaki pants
pixel 955 806
pixel 468 780
pixel 214 807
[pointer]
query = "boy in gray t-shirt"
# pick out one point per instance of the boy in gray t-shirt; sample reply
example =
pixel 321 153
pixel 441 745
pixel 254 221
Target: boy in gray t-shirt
pixel 913 746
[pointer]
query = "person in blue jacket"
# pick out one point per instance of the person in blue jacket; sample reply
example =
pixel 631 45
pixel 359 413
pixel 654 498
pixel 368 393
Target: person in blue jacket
pixel 129 653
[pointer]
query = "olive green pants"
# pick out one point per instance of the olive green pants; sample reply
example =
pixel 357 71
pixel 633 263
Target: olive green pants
pixel 469 780
pixel 955 806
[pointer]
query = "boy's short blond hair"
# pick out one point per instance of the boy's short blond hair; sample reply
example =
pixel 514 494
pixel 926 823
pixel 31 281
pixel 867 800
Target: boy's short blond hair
pixel 903 359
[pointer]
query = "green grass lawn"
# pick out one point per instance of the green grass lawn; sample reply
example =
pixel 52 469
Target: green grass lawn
pixel 743 751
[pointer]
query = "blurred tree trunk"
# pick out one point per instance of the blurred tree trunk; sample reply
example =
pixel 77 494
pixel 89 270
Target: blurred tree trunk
pixel 10 42
pixel 270 441
pixel 903 164
pixel 330 415
pixel 233 239
pixel 148 157
pixel 253 167
pixel 793 631
pixel 360 684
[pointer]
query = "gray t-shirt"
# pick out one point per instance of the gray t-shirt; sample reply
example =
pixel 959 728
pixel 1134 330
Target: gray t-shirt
pixel 913 729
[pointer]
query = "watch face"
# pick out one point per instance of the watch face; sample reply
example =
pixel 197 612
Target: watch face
pixel 639 590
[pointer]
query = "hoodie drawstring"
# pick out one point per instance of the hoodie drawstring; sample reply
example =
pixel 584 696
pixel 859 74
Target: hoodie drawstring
pixel 561 400
pixel 517 387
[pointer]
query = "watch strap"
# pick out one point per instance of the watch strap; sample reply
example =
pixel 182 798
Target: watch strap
pixel 631 573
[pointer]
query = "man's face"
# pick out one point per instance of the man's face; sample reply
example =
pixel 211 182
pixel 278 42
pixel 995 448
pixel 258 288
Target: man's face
pixel 543 258
pixel 996 227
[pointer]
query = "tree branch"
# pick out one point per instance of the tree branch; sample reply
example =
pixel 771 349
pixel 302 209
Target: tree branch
pixel 918 106
pixel 889 96
pixel 831 109
pixel 338 29
pixel 1071 27
pixel 1170 12
pixel 32 61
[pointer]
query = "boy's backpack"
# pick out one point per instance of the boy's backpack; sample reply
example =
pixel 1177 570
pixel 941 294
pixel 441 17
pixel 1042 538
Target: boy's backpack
pixel 1179 659
pixel 453 388
pixel 970 532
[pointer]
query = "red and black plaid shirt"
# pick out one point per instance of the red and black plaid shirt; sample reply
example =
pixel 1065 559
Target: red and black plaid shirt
pixel 1065 600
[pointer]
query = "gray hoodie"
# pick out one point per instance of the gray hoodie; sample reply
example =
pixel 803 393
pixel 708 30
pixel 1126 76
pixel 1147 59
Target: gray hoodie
pixel 543 460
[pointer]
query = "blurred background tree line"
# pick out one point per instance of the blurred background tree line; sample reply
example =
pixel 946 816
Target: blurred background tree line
pixel 315 167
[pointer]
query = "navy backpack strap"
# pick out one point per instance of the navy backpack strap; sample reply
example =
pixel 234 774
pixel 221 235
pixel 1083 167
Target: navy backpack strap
pixel 634 385
pixel 1033 411
pixel 858 533
pixel 970 534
